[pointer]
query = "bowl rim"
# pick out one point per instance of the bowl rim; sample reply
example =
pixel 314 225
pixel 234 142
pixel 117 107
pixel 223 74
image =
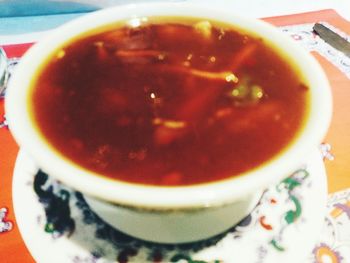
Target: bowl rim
pixel 202 195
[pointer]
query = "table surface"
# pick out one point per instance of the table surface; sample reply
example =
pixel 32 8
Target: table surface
pixel 15 30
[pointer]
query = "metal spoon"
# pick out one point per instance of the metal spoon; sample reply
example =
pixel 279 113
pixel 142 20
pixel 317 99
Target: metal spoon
pixel 6 67
pixel 4 75
pixel 332 38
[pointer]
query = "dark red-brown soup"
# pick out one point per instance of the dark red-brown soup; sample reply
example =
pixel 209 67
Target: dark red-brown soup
pixel 169 103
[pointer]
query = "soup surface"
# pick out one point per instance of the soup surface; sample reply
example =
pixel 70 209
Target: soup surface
pixel 168 103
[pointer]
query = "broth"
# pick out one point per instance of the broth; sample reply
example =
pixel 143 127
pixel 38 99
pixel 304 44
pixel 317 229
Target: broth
pixel 169 103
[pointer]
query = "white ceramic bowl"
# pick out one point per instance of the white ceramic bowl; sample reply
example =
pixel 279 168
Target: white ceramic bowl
pixel 135 203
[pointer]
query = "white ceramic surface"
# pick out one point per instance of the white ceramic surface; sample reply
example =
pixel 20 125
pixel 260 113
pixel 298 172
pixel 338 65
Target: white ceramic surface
pixel 229 195
pixel 284 227
pixel 178 226
pixel 221 192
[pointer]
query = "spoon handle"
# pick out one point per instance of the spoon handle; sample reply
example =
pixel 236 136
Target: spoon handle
pixel 3 71
pixel 332 38
pixel 6 68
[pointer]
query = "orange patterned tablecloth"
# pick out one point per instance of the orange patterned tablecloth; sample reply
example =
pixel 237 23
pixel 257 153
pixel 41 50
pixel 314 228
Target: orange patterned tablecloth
pixel 12 248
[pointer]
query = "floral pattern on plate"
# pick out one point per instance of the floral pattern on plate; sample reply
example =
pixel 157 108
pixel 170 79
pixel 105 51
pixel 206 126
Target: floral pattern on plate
pixel 334 244
pixel 57 225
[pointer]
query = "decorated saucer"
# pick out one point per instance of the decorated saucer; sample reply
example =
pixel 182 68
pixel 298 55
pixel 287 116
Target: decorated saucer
pixel 334 242
pixel 57 225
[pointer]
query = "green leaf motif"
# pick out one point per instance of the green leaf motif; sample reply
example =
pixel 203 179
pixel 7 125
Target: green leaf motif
pixel 291 216
pixel 49 228
pixel 291 183
pixel 179 257
pixel 276 245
